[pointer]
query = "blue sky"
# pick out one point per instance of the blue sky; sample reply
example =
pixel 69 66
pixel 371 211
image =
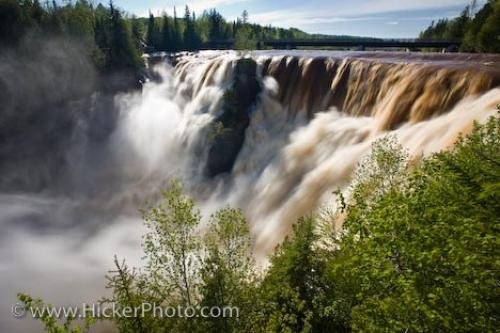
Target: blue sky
pixel 376 18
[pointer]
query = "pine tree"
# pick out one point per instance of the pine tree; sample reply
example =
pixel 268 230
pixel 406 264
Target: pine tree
pixel 191 39
pixel 166 35
pixel 37 12
pixel 188 30
pixel 137 34
pixel 122 52
pixel 176 34
pixel 11 22
pixel 150 36
pixel 215 28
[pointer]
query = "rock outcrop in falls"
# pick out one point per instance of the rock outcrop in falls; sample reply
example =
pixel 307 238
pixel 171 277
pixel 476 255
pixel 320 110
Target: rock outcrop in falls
pixel 227 131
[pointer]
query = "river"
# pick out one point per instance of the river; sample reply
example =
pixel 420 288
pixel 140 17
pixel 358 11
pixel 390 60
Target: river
pixel 311 119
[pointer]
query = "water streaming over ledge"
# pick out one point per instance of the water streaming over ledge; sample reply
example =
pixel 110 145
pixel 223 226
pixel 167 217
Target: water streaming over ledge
pixel 317 117
pixel 314 118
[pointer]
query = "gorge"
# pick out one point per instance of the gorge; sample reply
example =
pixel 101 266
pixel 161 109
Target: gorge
pixel 272 132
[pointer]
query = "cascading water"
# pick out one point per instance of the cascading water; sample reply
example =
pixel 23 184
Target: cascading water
pixel 309 121
pixel 317 117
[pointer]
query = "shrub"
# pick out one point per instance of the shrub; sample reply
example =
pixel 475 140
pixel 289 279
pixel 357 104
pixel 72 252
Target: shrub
pixel 418 252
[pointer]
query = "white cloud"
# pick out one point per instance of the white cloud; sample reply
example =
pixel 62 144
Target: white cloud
pixel 387 6
pixel 194 5
pixel 298 17
pixel 200 5
pixel 313 13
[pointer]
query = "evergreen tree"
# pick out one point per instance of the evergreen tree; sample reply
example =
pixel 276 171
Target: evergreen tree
pixel 151 33
pixel 177 34
pixel 121 48
pixel 216 26
pixel 56 24
pixel 456 28
pixel 137 33
pixel 79 21
pixel 37 12
pixel 244 17
pixel 479 32
pixel 12 22
pixel 189 31
pixel 471 36
pixel 488 39
pixel 166 35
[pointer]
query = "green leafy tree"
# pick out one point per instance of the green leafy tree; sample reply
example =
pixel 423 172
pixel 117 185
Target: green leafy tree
pixel 416 253
pixel 292 285
pixel 127 292
pixel 43 312
pixel 172 266
pixel 418 256
pixel 244 37
pixel 228 269
pixel 172 244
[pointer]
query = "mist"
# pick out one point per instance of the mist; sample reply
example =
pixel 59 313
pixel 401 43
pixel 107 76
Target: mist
pixel 77 162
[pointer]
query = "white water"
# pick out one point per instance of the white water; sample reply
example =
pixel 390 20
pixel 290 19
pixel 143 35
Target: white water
pixel 286 168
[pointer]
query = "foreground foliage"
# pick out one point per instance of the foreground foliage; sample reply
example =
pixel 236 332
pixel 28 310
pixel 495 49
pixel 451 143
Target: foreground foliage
pixel 424 256
pixel 418 252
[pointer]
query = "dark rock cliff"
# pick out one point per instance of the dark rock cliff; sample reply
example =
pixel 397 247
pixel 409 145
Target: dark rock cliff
pixel 227 131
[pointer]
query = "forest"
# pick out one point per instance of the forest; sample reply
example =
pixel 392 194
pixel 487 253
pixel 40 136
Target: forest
pixel 116 40
pixel 479 29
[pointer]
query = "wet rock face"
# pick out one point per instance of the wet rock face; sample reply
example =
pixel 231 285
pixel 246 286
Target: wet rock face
pixel 227 131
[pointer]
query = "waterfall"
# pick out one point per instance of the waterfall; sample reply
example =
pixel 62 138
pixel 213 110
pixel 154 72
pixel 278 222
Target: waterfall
pixel 316 118
pixel 310 120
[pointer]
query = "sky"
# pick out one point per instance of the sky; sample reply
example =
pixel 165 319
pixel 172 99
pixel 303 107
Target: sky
pixel 371 18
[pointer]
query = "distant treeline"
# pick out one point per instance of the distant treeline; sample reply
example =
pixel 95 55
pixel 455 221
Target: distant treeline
pixel 479 30
pixel 115 40
pixel 190 33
